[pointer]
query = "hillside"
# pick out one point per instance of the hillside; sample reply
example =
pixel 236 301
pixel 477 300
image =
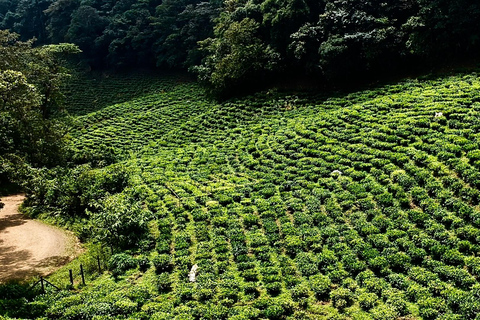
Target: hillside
pixel 356 205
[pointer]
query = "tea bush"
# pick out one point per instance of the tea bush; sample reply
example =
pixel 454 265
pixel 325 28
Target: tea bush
pixel 119 263
pixel 360 204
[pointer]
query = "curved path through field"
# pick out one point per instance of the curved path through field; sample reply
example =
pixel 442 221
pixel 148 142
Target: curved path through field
pixel 30 248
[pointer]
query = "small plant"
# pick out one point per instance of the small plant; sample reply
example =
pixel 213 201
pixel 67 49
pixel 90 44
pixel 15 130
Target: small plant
pixel 143 262
pixel 164 282
pixel 341 298
pixel 320 285
pixel 119 263
pixel 162 263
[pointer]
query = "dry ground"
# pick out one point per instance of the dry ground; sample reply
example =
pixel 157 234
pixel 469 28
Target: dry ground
pixel 30 248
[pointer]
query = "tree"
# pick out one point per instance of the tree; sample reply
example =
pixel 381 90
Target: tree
pixel 444 29
pixel 30 82
pixel 235 55
pixel 42 66
pixel 119 222
pixel 59 17
pixel 179 28
pixel 86 26
pixel 129 35
pixel 28 19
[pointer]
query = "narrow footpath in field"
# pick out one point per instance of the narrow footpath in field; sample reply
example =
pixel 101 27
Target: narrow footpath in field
pixel 30 248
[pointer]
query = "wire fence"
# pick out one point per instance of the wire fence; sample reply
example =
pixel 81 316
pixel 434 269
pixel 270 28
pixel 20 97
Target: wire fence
pixel 79 273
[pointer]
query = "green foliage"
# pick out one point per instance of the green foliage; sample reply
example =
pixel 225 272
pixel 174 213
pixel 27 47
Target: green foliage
pixel 30 86
pixel 241 43
pixel 119 222
pixel 247 191
pixel 143 262
pixel 367 300
pixel 341 298
pixel 121 262
pixel 162 263
pixel 320 285
pixel 234 55
pixel 163 282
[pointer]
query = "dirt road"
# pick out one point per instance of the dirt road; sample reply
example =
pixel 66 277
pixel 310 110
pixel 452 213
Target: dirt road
pixel 28 247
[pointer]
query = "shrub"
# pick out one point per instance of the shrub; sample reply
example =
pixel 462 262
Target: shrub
pixel 430 307
pixel 119 263
pixel 378 263
pixel 326 258
pixel 251 289
pixel 120 221
pixel 293 244
pixel 250 275
pixel 274 288
pixel 143 262
pixel 374 284
pixel 125 306
pixel 274 311
pixel 162 263
pixel 300 293
pixel 396 299
pixel 250 220
pixel 399 261
pixel 341 298
pixel 367 300
pixel 306 263
pixel 384 312
pixel 385 199
pixel 473 264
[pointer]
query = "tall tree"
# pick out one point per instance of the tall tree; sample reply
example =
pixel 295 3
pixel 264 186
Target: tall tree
pixel 86 26
pixel 445 29
pixel 30 82
pixel 180 29
pixel 28 19
pixel 59 17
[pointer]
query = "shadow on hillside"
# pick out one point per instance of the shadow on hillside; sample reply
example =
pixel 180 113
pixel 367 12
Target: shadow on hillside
pixel 94 91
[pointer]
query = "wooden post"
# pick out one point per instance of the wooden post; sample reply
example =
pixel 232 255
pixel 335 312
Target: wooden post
pixel 42 285
pixel 82 274
pixel 71 276
pixel 99 267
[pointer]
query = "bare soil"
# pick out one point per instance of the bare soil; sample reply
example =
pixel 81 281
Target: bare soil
pixel 30 248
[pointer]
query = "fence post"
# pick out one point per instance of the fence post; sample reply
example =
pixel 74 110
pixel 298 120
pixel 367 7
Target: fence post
pixel 42 285
pixel 81 273
pixel 71 276
pixel 99 268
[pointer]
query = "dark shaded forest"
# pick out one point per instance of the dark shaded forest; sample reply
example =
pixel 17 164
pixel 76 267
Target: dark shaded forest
pixel 229 44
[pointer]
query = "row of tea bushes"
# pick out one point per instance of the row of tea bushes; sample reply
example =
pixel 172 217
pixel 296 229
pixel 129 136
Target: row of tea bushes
pixel 360 205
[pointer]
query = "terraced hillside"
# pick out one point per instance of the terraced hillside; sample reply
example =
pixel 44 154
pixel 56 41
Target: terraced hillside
pixel 361 205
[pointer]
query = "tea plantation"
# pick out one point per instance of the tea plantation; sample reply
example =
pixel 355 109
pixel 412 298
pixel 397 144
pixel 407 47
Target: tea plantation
pixel 359 205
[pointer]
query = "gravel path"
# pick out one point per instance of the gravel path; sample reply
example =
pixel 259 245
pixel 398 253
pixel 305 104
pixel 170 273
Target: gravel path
pixel 30 248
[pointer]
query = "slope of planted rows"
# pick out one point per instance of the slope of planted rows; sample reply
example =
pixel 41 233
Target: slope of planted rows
pixel 362 205
pixel 142 109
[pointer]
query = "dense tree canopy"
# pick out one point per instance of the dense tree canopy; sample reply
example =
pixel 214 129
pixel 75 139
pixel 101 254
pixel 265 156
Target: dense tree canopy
pixel 30 83
pixel 232 42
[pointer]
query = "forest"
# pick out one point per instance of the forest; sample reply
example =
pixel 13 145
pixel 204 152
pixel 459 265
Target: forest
pixel 237 43
pixel 277 159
